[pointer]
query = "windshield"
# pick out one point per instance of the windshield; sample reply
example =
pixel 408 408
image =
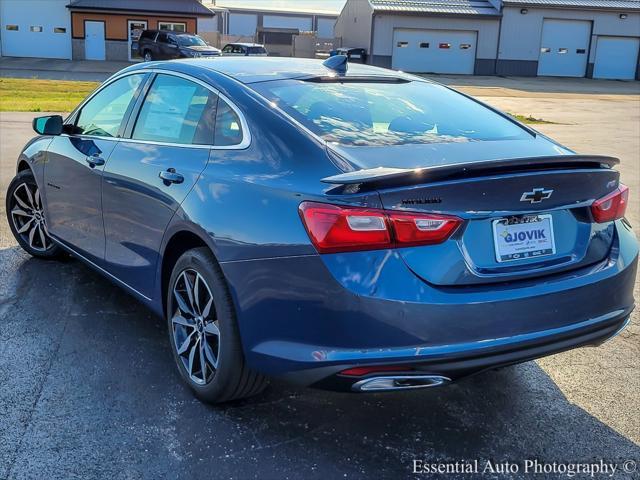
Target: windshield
pixel 369 113
pixel 191 41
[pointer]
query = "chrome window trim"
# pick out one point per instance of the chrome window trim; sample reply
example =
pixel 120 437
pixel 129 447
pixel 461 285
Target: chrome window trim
pixel 246 133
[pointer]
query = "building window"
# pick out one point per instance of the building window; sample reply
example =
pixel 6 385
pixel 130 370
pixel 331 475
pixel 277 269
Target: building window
pixel 545 50
pixel 403 44
pixel 424 45
pixel 36 28
pixel 465 46
pixel 174 27
pixel 581 51
pixel 59 30
pixel 13 28
pixel 445 45
pixel 563 50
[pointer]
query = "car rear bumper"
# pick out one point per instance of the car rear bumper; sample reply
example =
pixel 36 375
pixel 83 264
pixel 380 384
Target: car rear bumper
pixel 305 319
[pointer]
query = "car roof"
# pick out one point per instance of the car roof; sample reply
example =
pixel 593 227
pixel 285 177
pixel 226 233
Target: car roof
pixel 242 44
pixel 170 31
pixel 258 69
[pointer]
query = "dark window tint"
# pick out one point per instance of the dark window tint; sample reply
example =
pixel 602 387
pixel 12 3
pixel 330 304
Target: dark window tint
pixel 387 113
pixel 103 114
pixel 228 126
pixel 177 111
pixel 228 49
pixel 162 38
pixel 257 51
pixel 147 35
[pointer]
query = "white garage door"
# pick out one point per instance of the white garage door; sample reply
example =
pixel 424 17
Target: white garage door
pixel 35 28
pixel 616 58
pixel 564 48
pixel 242 24
pixel 304 24
pixel 434 51
pixel 325 27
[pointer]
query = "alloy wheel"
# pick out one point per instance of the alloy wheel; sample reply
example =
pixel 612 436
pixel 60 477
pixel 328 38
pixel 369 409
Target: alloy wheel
pixel 196 333
pixel 28 217
pixel 147 57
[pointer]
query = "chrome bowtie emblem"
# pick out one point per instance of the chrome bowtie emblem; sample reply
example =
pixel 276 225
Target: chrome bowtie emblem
pixel 536 195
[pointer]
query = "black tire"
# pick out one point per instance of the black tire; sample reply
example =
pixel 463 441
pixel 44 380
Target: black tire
pixel 26 217
pixel 232 379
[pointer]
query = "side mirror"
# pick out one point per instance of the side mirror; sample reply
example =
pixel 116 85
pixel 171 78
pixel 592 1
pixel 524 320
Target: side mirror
pixel 51 125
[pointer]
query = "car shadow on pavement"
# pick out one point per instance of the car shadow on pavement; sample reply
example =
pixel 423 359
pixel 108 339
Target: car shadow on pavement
pixel 88 388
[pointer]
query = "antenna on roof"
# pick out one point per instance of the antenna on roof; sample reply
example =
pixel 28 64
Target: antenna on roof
pixel 337 63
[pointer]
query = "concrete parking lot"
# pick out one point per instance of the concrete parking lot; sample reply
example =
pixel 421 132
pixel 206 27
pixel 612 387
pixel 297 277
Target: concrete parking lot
pixel 88 388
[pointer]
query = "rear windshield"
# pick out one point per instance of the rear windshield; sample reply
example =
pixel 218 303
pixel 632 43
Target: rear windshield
pixel 388 113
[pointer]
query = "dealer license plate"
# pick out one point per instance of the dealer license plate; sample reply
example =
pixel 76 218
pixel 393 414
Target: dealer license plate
pixel 519 238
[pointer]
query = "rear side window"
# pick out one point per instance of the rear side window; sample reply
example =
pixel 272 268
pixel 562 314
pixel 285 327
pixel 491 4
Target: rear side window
pixel 104 113
pixel 257 51
pixel 228 126
pixel 147 35
pixel 370 113
pixel 176 110
pixel 162 38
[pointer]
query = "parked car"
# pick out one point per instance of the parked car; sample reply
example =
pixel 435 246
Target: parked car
pixel 244 50
pixel 167 45
pixel 343 227
pixel 355 55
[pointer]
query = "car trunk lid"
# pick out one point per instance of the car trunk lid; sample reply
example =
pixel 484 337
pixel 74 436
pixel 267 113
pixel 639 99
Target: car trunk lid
pixel 542 201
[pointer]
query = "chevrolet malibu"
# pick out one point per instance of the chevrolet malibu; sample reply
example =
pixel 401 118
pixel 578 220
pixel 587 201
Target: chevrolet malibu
pixel 337 226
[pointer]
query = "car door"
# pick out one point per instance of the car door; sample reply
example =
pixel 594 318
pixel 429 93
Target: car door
pixel 151 172
pixel 172 47
pixel 76 159
pixel 161 46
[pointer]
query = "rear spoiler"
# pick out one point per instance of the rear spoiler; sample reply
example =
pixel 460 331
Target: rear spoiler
pixel 460 170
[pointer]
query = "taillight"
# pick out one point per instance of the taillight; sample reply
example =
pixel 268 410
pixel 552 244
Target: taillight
pixel 334 228
pixel 612 206
pixel 416 229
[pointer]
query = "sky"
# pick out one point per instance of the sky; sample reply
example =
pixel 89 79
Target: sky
pixel 335 5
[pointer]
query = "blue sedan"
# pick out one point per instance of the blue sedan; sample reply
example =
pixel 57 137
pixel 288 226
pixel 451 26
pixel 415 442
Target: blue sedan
pixel 337 226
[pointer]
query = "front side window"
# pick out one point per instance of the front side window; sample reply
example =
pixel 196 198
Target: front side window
pixel 104 113
pixel 228 49
pixel 177 111
pixel 162 38
pixel 415 112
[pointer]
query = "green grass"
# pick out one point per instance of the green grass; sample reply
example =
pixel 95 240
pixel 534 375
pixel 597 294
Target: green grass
pixel 531 120
pixel 33 95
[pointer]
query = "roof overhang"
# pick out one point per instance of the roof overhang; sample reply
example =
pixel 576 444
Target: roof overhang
pixel 118 9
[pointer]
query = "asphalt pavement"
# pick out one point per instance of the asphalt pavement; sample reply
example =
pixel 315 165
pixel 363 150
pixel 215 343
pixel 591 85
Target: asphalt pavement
pixel 88 388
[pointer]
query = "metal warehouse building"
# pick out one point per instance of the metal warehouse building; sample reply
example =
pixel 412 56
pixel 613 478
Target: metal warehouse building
pixel 574 38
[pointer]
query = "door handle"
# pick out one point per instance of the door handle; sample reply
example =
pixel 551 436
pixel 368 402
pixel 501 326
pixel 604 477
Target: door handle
pixel 170 176
pixel 95 161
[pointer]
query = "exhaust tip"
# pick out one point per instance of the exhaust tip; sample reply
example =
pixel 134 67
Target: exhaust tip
pixel 399 382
